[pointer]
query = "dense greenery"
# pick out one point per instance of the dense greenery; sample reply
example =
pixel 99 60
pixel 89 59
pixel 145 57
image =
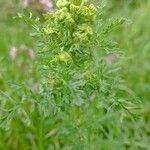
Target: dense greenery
pixel 80 81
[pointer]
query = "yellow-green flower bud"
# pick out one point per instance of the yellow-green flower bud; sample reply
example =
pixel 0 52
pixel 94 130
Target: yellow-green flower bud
pixel 74 8
pixel 68 20
pixel 82 37
pixel 62 3
pixel 83 33
pixel 60 14
pixel 48 30
pixel 92 8
pixel 88 11
pixel 77 2
pixel 89 30
pixel 65 58
pixel 49 15
pixel 89 76
pixel 86 29
pixel 56 83
pixel 85 11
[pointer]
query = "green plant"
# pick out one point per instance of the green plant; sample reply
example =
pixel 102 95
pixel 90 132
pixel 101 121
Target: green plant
pixel 81 100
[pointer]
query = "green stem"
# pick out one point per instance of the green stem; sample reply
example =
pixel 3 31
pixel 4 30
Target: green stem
pixel 40 134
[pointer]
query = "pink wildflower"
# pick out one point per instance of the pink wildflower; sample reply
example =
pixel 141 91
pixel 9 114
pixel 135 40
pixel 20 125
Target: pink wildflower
pixel 24 3
pixel 47 4
pixel 110 58
pixel 13 52
pixel 31 54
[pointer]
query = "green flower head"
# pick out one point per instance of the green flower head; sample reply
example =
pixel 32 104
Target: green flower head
pixel 62 3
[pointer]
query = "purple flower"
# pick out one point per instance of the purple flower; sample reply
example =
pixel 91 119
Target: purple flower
pixel 24 3
pixel 110 58
pixel 47 4
pixel 13 52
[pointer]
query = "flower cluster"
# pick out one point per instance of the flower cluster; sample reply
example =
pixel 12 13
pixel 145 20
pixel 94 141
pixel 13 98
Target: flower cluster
pixel 21 58
pixel 70 25
pixel 23 51
pixel 77 18
pixel 65 33
pixel 47 5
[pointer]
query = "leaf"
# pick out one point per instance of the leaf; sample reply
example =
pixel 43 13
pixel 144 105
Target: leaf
pixel 6 97
pixel 112 24
pixel 6 121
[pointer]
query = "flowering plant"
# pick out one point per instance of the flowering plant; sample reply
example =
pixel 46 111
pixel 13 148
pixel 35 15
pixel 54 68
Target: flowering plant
pixel 73 55
pixel 81 95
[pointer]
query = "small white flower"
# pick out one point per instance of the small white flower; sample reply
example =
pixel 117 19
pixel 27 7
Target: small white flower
pixel 24 3
pixel 13 52
pixel 31 54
